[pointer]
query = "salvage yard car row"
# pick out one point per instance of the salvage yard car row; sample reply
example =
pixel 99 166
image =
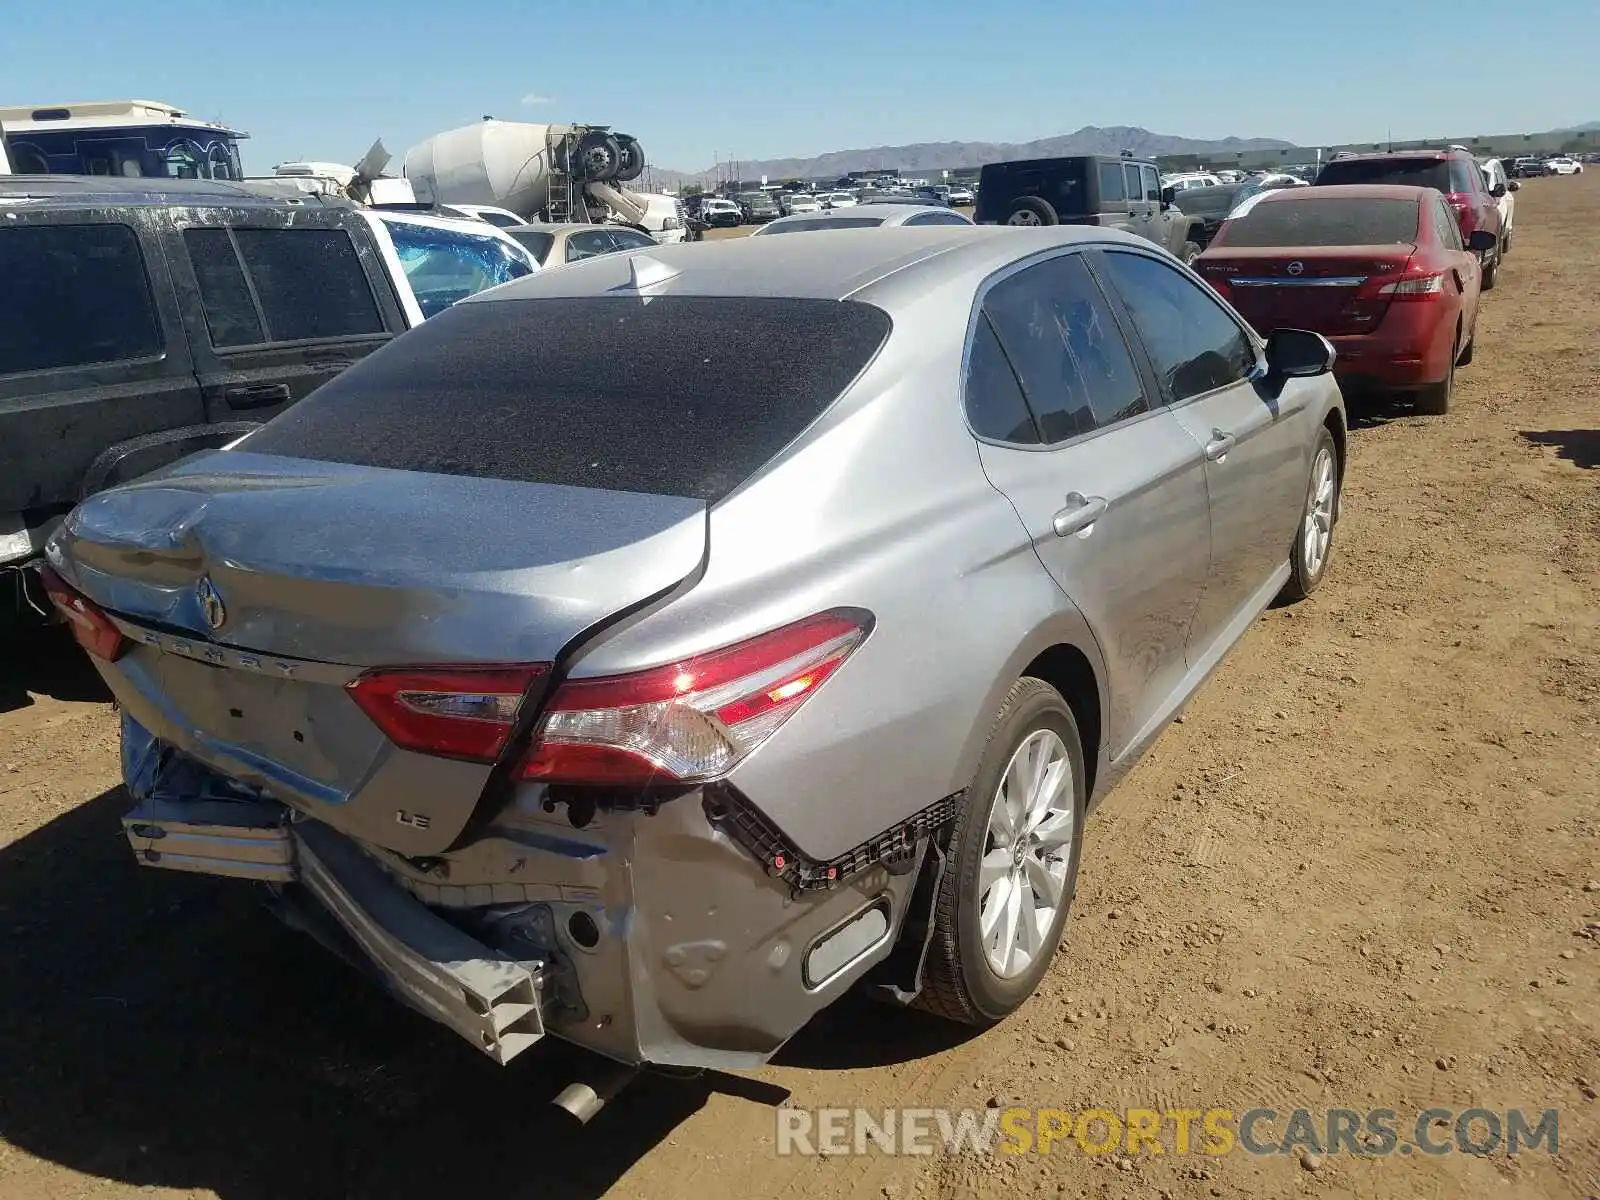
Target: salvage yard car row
pixel 848 575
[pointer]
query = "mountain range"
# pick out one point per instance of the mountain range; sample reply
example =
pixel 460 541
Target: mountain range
pixel 925 157
pixel 928 157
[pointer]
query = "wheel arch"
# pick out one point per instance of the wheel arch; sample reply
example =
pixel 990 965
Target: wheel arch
pixel 1334 424
pixel 1061 651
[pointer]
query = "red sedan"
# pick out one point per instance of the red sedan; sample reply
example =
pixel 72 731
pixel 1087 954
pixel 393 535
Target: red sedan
pixel 1381 271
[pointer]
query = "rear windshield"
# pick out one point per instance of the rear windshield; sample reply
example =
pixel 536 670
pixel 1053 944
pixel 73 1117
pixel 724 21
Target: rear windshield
pixel 824 223
pixel 677 395
pixel 1304 221
pixel 1408 172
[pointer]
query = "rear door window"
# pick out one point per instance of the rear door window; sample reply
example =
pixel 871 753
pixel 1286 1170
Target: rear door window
pixel 680 396
pixel 1448 229
pixel 1130 175
pixel 1059 334
pixel 996 407
pixel 74 295
pixel 280 285
pixel 1194 345
pixel 1462 175
pixel 1111 184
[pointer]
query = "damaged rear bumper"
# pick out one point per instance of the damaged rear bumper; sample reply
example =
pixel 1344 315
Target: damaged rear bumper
pixel 648 937
pixel 486 997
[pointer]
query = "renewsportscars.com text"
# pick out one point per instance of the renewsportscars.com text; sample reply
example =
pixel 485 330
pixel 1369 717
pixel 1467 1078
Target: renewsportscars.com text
pixel 1211 1131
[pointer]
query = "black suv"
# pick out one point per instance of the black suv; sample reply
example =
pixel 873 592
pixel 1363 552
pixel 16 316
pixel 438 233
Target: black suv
pixel 1089 189
pixel 160 318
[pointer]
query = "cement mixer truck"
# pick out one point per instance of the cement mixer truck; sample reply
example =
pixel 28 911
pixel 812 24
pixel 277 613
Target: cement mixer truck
pixel 554 173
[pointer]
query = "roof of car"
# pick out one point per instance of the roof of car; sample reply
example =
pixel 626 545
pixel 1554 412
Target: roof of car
pixel 883 210
pixel 555 227
pixel 834 267
pixel 77 190
pixel 1347 191
pixel 1397 154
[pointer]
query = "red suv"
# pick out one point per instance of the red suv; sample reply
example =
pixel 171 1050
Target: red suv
pixel 1454 172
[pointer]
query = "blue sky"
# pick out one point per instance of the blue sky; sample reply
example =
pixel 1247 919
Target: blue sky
pixel 696 80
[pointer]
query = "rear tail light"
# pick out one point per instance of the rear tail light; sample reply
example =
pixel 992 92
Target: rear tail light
pixel 690 721
pixel 1410 280
pixel 1413 287
pixel 91 628
pixel 453 712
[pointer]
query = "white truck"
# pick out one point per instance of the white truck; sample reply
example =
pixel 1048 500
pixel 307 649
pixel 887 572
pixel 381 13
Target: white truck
pixel 554 173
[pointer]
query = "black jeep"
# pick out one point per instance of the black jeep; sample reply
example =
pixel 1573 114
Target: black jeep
pixel 1090 189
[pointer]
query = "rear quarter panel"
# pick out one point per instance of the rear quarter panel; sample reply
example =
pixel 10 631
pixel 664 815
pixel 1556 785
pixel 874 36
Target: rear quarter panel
pixel 882 505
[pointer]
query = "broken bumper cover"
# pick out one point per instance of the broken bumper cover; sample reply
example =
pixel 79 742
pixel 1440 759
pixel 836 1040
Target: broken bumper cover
pixel 649 937
pixel 486 997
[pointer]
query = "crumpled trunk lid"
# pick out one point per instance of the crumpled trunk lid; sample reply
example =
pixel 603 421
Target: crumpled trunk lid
pixel 255 588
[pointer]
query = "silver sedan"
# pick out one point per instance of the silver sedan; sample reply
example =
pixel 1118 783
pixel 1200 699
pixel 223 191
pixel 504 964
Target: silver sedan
pixel 640 652
pixel 864 216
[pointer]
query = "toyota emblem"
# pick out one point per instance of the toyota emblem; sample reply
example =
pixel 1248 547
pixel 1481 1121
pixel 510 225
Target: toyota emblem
pixel 210 602
pixel 1296 268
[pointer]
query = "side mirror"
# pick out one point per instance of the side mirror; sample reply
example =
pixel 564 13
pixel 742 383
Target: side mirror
pixel 1480 241
pixel 1498 190
pixel 1514 186
pixel 1298 354
pixel 1169 195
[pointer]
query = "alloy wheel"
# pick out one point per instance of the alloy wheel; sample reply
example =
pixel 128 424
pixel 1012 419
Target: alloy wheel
pixel 1022 876
pixel 1319 514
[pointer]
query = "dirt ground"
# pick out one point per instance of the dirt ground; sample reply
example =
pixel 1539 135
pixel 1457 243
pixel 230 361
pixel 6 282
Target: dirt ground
pixel 1364 871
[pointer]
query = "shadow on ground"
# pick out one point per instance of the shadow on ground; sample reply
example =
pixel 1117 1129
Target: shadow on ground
pixel 44 660
pixel 162 1029
pixel 1580 447
pixel 1372 410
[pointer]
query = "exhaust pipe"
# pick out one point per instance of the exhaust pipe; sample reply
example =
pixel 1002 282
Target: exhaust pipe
pixel 581 1100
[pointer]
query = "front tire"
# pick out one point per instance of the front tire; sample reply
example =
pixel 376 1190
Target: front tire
pixel 1313 544
pixel 1012 862
pixel 1191 251
pixel 1490 270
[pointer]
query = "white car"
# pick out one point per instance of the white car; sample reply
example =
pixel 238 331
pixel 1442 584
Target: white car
pixel 801 203
pixel 1563 166
pixel 1495 176
pixel 502 217
pixel 436 261
pixel 863 216
pixel 837 200
pixel 1191 179
pixel 960 196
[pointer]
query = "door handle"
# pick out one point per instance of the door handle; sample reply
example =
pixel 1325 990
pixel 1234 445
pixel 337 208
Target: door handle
pixel 1079 515
pixel 1219 445
pixel 256 395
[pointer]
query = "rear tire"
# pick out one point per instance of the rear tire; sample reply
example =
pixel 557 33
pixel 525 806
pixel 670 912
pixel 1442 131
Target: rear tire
pixel 1434 400
pixel 1313 543
pixel 1031 210
pixel 992 856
